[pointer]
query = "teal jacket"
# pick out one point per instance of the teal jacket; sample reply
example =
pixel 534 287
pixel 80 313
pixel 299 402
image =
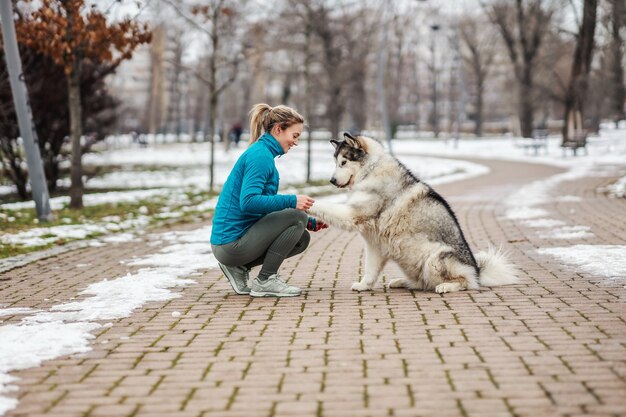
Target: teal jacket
pixel 250 192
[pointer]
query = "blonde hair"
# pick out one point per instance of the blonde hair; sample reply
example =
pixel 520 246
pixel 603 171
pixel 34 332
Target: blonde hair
pixel 264 117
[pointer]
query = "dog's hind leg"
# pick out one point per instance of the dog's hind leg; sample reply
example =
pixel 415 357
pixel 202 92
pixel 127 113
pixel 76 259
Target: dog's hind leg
pixel 398 283
pixel 449 286
pixel 374 264
pixel 407 283
pixel 446 273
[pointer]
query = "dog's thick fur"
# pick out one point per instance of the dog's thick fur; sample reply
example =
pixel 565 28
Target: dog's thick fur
pixel 403 219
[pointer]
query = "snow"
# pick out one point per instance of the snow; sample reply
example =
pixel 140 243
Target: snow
pixel 41 236
pixel 67 328
pixel 608 148
pixel 119 238
pixel 113 197
pixel 618 189
pixel 541 223
pixel 523 203
pixel 6 189
pixel 524 212
pixel 596 260
pixel 15 311
pixel 189 168
pixel 568 232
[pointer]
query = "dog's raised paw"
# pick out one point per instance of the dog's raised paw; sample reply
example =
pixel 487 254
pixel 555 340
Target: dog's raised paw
pixel 358 286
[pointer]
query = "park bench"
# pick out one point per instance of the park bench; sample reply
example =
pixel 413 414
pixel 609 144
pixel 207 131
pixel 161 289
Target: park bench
pixel 537 141
pixel 577 140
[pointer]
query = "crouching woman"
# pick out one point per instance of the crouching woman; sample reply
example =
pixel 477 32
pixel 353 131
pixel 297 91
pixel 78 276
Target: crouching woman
pixel 253 224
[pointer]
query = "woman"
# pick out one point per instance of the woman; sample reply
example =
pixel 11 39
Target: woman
pixel 253 225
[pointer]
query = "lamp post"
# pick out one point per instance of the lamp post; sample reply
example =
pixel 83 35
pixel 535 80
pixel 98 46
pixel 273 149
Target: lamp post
pixel 36 174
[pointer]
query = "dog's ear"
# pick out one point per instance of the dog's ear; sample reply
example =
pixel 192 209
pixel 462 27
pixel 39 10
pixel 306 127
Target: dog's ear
pixel 352 141
pixel 335 143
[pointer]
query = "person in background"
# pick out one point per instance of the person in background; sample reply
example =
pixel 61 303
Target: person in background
pixel 253 224
pixel 235 133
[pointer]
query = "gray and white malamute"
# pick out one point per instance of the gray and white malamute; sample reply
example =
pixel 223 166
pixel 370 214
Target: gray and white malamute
pixel 402 219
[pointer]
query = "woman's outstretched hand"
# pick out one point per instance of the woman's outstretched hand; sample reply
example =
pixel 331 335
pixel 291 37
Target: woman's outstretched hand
pixel 314 225
pixel 304 202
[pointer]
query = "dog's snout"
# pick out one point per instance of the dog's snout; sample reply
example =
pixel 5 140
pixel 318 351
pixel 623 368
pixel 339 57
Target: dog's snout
pixel 333 181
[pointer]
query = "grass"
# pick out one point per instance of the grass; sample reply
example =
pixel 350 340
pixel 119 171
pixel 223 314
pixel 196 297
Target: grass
pixel 7 251
pixel 16 221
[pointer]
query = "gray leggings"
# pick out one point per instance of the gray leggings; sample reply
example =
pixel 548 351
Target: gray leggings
pixel 274 238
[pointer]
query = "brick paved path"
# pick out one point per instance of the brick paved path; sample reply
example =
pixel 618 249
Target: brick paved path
pixel 553 345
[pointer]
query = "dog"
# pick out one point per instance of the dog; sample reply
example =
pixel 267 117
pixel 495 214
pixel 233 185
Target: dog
pixel 403 219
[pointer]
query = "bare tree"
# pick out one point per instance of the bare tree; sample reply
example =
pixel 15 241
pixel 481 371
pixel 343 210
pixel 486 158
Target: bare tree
pixel 522 26
pixel 217 20
pixel 478 54
pixel 433 68
pixel 581 66
pixel 325 27
pixel 341 29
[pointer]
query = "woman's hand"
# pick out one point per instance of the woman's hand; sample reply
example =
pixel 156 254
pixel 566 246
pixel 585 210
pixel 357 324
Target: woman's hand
pixel 314 225
pixel 304 202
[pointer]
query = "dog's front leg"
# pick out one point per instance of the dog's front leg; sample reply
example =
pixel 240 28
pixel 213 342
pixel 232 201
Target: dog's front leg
pixel 338 215
pixel 374 264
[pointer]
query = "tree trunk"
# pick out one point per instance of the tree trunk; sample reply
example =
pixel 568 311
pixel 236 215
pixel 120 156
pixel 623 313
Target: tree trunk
pixel 531 25
pixel 76 188
pixel 213 96
pixel 358 94
pixel 155 103
pixel 618 90
pixel 478 128
pixel 434 115
pixel 380 86
pixel 335 111
pixel 418 98
pixel 526 107
pixel 211 133
pixel 51 168
pixel 581 66
pixel 307 100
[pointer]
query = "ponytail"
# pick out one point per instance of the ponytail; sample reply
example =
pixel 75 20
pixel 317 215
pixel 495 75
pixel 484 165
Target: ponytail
pixel 263 117
pixel 258 118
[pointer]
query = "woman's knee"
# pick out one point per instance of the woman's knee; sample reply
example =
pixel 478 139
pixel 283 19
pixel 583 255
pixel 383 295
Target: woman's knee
pixel 297 216
pixel 223 256
pixel 302 244
pixel 304 240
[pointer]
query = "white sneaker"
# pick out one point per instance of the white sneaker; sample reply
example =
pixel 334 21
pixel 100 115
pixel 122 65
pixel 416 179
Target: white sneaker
pixel 238 278
pixel 273 287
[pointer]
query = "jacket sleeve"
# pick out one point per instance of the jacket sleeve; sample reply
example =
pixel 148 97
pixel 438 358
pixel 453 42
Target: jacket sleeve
pixel 256 174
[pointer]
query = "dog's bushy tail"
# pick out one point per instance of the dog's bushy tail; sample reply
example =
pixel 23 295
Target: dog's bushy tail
pixel 495 268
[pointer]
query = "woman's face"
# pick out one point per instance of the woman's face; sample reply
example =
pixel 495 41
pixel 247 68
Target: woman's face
pixel 287 138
